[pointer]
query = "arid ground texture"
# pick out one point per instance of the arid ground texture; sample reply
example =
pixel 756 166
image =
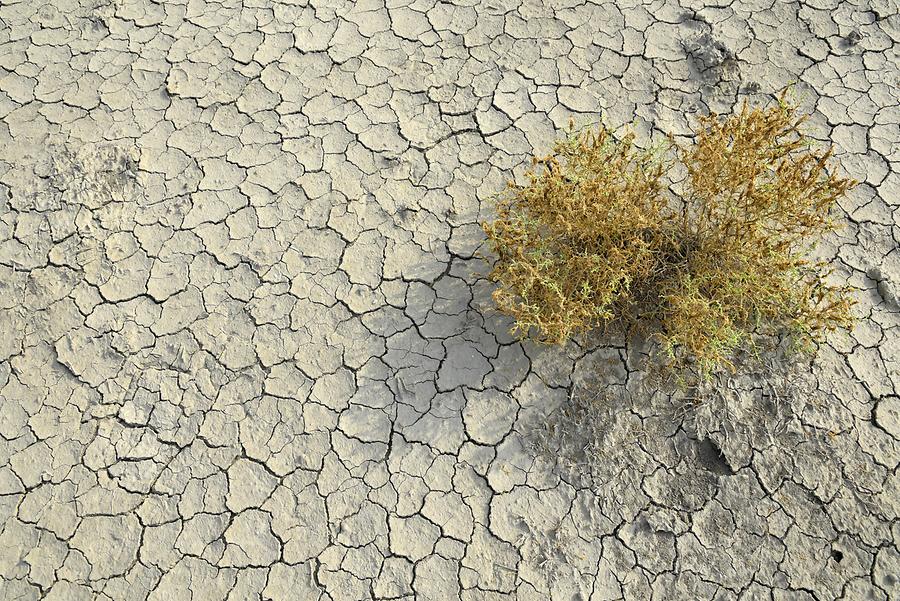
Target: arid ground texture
pixel 247 346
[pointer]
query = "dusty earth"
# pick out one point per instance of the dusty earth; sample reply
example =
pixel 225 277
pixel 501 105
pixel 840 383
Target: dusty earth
pixel 246 344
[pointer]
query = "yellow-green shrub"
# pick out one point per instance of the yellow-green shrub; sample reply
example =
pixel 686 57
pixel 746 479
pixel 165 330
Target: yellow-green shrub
pixel 594 238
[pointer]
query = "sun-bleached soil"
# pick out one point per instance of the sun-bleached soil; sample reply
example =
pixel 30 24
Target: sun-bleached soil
pixel 247 348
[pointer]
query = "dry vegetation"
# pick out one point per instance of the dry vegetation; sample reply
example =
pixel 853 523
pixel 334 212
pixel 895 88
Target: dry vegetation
pixel 595 238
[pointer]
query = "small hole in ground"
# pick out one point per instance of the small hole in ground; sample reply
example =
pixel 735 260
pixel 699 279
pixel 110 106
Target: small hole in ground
pixel 712 458
pixel 837 555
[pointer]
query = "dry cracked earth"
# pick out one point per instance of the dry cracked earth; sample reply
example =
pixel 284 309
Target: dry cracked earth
pixel 247 349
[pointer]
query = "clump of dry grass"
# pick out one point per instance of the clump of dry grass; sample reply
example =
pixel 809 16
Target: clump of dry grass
pixel 594 239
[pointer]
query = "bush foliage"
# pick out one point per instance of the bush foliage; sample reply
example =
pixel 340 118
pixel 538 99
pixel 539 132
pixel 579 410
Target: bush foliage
pixel 596 238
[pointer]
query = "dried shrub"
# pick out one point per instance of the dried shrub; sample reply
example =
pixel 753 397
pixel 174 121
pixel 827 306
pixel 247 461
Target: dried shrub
pixel 594 238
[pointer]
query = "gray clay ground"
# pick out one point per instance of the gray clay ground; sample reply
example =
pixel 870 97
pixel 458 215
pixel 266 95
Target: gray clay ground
pixel 246 351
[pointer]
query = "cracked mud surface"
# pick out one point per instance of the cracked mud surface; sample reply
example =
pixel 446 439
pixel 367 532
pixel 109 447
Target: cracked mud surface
pixel 247 352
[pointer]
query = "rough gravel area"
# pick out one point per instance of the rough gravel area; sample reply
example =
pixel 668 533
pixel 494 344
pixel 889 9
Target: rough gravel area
pixel 246 342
